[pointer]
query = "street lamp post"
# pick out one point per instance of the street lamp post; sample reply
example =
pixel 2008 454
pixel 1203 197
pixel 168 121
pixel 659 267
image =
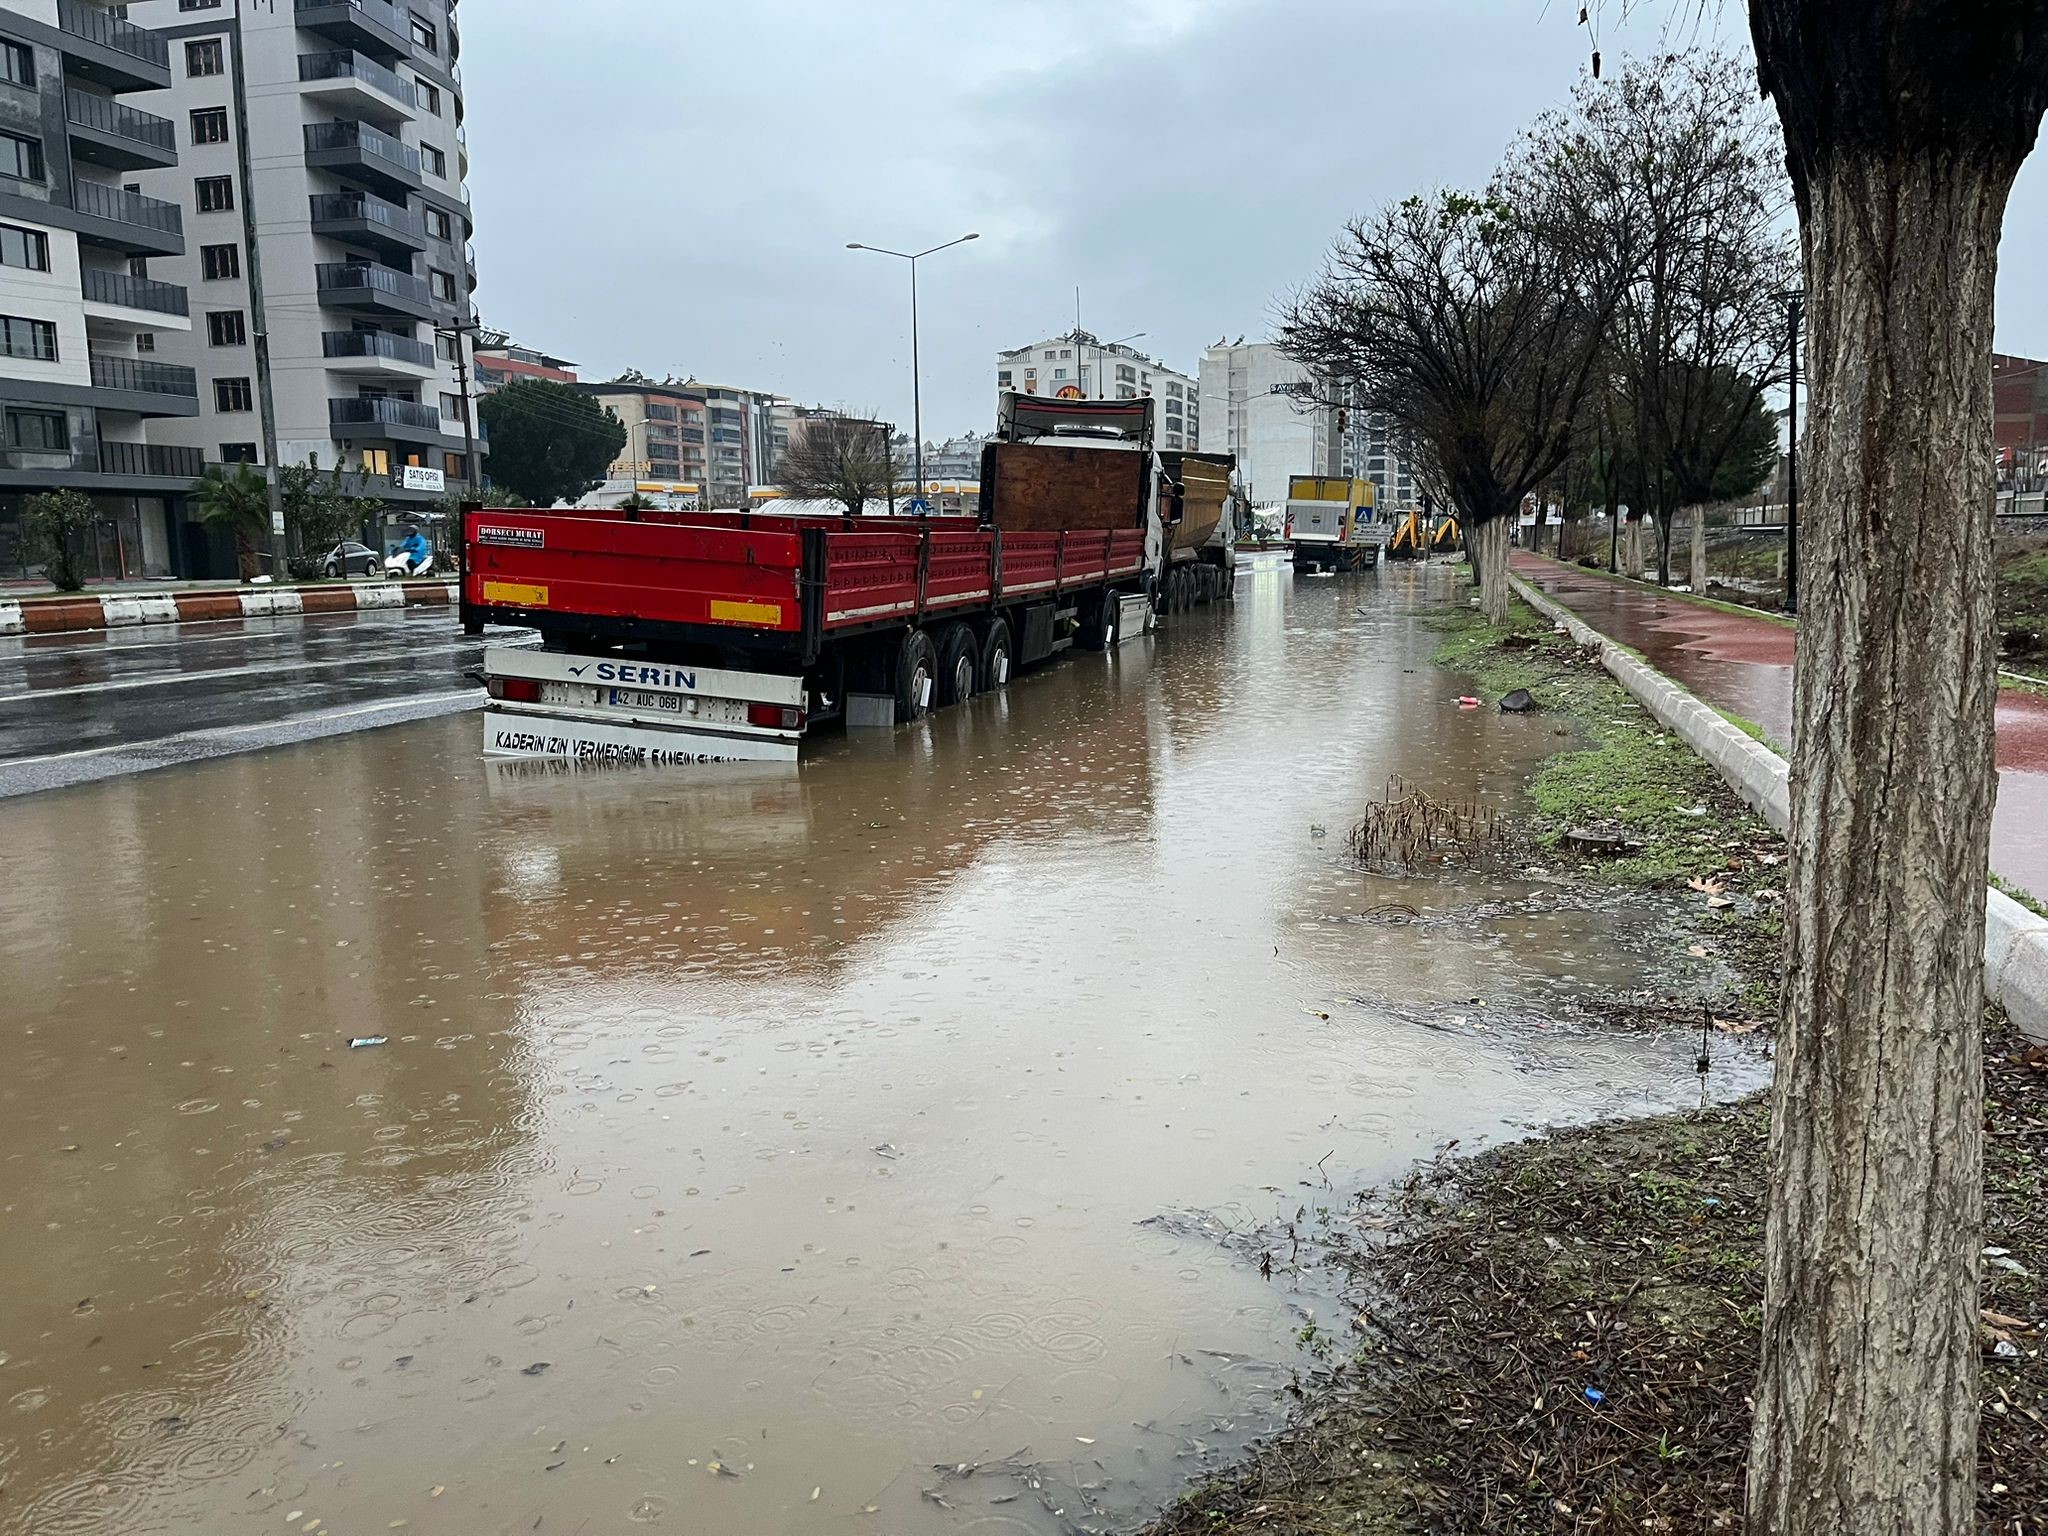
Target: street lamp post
pixel 916 396
pixel 1102 388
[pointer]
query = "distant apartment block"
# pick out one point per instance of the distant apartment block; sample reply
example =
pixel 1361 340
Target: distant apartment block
pixel 1081 366
pixel 507 363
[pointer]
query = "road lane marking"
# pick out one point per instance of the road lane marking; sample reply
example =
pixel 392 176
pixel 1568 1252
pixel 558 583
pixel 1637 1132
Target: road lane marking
pixel 220 732
pixel 208 674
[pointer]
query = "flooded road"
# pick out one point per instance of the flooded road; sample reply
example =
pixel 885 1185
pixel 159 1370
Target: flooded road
pixel 808 1126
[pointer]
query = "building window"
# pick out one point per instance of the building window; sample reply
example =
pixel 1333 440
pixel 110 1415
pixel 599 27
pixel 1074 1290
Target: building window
pixel 33 339
pixel 376 461
pixel 198 5
pixel 442 284
pixel 146 342
pixel 204 58
pixel 17 63
pixel 429 94
pixel 215 194
pixel 38 429
pixel 454 466
pixel 661 412
pixel 1066 353
pixel 219 261
pixel 451 407
pixel 439 224
pixel 435 162
pixel 227 328
pixel 233 395
pixel 444 348
pixel 24 248
pixel 1059 373
pixel 21 158
pixel 238 453
pixel 210 125
pixel 1126 373
pixel 1003 379
pixel 422 32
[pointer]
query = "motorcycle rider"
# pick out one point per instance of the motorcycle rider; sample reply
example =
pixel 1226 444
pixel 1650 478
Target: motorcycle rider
pixel 419 554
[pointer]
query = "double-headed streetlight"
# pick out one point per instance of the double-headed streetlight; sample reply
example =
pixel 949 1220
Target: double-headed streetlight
pixel 916 399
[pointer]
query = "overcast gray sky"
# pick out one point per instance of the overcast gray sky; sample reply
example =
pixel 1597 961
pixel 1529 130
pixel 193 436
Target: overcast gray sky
pixel 670 184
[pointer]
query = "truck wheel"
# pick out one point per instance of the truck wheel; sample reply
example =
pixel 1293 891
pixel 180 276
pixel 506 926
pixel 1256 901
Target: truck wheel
pixel 957 664
pixel 1098 629
pixel 995 657
pixel 917 668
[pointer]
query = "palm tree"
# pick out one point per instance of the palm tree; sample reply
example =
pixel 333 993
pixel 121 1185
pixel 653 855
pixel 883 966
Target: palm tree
pixel 236 498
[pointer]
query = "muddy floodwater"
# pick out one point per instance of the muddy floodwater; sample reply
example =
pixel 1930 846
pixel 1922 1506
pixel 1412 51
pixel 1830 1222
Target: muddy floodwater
pixel 747 1145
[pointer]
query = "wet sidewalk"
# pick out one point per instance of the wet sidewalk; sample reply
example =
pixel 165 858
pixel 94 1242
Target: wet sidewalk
pixel 1743 666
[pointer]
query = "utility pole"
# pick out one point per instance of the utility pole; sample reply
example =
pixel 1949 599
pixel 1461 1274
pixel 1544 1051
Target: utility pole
pixel 1794 308
pixel 252 252
pixel 464 326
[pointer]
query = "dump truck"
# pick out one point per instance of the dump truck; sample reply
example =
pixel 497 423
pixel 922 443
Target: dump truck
pixel 1202 519
pixel 686 637
pixel 1332 523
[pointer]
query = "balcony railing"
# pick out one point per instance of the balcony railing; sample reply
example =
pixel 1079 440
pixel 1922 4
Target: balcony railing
pixel 343 64
pixel 399 349
pixel 143 376
pixel 99 25
pixel 126 207
pixel 369 276
pixel 151 459
pixel 104 287
pixel 377 11
pixel 123 122
pixel 329 206
pixel 378 411
pixel 362 137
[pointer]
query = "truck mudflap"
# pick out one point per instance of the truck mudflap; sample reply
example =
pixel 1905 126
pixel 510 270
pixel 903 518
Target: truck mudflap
pixel 514 733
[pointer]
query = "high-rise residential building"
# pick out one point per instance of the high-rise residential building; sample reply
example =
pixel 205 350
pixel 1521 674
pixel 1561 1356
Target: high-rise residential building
pixel 1374 449
pixel 665 437
pixel 353 174
pixel 507 362
pixel 1081 366
pixel 1267 409
pixel 81 306
pixel 746 431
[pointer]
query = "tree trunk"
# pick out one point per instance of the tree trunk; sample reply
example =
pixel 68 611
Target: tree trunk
pixel 1490 556
pixel 1663 551
pixel 1866 1400
pixel 1699 550
pixel 246 564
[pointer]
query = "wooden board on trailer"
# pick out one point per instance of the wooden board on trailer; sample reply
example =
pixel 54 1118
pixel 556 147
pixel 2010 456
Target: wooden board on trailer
pixel 1048 488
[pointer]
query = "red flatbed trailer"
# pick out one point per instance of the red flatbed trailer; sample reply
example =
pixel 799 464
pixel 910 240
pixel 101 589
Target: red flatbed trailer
pixel 695 635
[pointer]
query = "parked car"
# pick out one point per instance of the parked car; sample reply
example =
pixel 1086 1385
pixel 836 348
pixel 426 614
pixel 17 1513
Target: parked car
pixel 352 559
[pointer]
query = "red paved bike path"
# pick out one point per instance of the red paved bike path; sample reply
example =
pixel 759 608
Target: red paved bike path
pixel 1743 665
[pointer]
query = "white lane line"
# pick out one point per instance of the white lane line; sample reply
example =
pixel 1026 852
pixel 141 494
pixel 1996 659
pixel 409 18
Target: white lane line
pixel 209 674
pixel 264 627
pixel 222 732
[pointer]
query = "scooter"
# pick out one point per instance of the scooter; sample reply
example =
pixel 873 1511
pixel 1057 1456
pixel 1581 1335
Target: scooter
pixel 399 565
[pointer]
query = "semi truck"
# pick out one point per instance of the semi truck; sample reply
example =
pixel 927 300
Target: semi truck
pixel 684 636
pixel 1332 523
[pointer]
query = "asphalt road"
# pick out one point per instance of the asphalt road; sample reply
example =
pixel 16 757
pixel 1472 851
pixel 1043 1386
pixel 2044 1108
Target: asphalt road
pixel 77 707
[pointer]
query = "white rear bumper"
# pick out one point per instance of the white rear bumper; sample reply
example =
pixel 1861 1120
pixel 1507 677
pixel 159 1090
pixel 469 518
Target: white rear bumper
pixel 512 732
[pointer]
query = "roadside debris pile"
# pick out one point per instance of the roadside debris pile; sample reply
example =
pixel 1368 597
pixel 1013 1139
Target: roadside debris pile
pixel 1408 830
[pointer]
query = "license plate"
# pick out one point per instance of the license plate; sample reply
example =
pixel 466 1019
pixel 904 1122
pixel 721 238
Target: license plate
pixel 647 701
pixel 640 698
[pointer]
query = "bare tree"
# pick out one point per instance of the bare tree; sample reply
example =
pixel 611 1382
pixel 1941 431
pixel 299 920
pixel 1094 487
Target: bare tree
pixel 1677 154
pixel 1905 123
pixel 842 458
pixel 1460 319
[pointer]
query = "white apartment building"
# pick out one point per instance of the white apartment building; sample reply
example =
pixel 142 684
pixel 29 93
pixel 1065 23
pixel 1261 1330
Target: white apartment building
pixel 1374 449
pixel 356 140
pixel 1081 366
pixel 78 387
pixel 1260 405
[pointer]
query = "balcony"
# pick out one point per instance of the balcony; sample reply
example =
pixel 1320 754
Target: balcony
pixel 133 303
pixel 370 24
pixel 154 459
pixel 362 219
pixel 105 133
pixel 357 152
pixel 357 83
pixel 383 420
pixel 127 222
pixel 99 46
pixel 371 289
pixel 377 354
pixel 144 387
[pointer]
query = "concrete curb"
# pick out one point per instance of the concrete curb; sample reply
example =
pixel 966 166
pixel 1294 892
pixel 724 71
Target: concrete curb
pixel 59 615
pixel 2015 940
